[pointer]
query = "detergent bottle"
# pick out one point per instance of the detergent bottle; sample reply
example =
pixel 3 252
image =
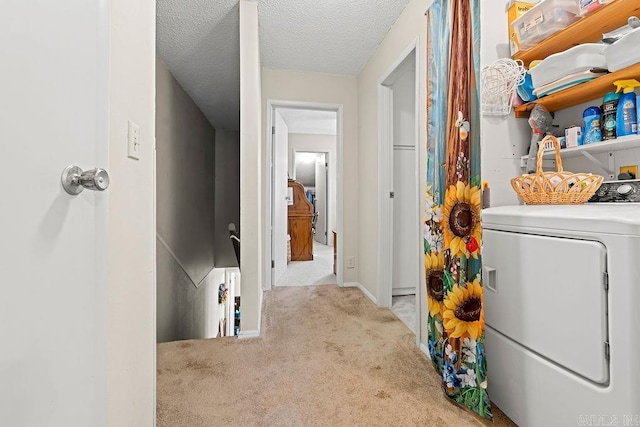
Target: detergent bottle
pixel 626 116
pixel 609 108
pixel 592 132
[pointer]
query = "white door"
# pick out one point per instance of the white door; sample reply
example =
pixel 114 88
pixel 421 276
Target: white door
pixel 405 272
pixel 321 198
pixel 280 206
pixel 54 113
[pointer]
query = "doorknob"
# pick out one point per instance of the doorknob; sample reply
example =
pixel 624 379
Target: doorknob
pixel 74 180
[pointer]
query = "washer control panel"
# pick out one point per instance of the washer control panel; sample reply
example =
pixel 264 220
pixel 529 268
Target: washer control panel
pixel 618 192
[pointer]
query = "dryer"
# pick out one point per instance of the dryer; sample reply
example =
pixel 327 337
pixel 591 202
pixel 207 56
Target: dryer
pixel 562 312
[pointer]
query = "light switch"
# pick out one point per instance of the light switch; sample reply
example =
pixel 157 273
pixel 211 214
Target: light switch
pixel 133 139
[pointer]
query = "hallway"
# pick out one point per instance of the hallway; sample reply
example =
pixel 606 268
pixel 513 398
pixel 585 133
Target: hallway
pixel 404 307
pixel 327 356
pixel 308 273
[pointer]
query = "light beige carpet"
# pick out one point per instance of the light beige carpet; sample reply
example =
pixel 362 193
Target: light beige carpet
pixel 319 271
pixel 327 357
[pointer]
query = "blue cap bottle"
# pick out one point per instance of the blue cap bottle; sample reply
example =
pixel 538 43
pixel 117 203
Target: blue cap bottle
pixel 592 132
pixel 626 120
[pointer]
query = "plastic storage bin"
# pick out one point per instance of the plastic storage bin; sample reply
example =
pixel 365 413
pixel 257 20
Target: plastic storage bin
pixel 623 53
pixel 579 58
pixel 588 6
pixel 515 9
pixel 545 19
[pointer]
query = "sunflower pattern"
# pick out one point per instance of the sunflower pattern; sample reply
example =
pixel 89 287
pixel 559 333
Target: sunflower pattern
pixel 463 316
pixel 452 261
pixel 434 269
pixel 461 221
pixel 452 224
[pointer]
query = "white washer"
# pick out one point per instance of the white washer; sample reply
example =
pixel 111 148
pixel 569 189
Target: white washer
pixel 562 312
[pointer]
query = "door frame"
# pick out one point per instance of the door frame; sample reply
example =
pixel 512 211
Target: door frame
pixel 267 176
pixel 327 156
pixel 385 181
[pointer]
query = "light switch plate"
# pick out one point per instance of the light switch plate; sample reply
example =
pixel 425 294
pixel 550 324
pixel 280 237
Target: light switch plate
pixel 351 262
pixel 133 140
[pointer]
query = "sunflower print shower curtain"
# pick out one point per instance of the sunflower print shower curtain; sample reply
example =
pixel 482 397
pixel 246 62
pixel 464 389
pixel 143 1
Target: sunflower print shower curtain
pixel 452 228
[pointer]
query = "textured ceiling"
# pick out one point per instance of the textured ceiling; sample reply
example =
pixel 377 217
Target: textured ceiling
pixel 327 36
pixel 309 121
pixel 198 40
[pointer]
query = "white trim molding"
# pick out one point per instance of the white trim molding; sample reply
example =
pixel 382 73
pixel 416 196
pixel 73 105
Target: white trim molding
pixel 181 265
pixel 385 213
pixel 249 334
pixel 425 350
pixel 364 290
pixel 398 292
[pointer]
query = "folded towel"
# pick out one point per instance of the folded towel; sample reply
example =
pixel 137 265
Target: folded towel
pixel 569 81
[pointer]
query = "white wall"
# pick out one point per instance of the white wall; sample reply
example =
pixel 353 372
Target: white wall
pixel 227 195
pixel 251 153
pixel 288 85
pixel 410 25
pixel 320 143
pixel 504 139
pixel 131 247
pixel 184 311
pixel 404 109
pixel 185 145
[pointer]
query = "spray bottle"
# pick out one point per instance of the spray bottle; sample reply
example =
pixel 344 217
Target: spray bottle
pixel 626 117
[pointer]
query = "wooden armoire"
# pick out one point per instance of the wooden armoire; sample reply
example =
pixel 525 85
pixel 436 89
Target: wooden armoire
pixel 300 224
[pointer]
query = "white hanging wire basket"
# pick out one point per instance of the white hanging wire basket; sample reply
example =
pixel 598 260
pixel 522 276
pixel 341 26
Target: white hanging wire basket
pixel 498 84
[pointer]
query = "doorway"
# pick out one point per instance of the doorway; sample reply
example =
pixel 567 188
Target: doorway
pixel 399 249
pixel 303 156
pixel 311 169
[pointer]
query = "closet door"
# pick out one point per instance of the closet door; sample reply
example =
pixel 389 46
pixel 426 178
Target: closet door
pixel 405 272
pixel 406 250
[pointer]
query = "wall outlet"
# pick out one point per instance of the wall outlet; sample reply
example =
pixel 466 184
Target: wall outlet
pixel 351 262
pixel 631 169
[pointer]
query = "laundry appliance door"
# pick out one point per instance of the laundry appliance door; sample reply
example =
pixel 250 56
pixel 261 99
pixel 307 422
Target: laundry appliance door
pixel 548 294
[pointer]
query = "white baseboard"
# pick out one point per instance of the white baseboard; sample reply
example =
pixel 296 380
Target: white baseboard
pixel 425 350
pixel 363 289
pixel 249 334
pixel 396 292
pixel 260 305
